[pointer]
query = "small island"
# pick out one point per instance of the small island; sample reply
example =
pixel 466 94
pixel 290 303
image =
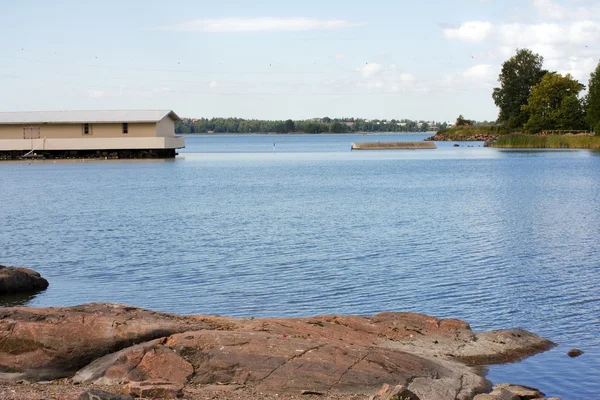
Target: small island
pixel 538 109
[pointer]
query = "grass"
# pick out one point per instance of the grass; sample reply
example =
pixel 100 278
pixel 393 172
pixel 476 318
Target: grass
pixel 520 141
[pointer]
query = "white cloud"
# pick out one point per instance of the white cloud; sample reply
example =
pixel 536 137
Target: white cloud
pixel 212 84
pixel 473 31
pixel 481 76
pixel 369 70
pixel 264 24
pixel 566 34
pixel 580 68
pixel 385 77
pixel 566 47
pixel 481 72
pixel 340 56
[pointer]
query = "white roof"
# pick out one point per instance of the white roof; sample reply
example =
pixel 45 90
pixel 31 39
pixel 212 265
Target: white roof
pixel 78 117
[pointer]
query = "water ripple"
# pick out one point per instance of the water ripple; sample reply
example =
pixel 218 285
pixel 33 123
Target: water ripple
pixel 498 239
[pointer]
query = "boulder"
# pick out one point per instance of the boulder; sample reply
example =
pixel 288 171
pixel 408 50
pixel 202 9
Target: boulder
pixel 411 332
pixel 50 343
pixel 485 396
pixel 574 353
pixel 155 389
pixel 502 346
pixel 146 361
pixel 507 391
pixel 397 392
pixel 156 354
pixel 518 392
pixel 20 280
pixel 275 363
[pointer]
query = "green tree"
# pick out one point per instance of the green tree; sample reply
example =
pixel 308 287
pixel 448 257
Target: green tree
pixel 315 127
pixel 461 121
pixel 593 101
pixel 290 126
pixel 280 128
pixel 519 74
pixel 571 114
pixel 337 127
pixel 554 104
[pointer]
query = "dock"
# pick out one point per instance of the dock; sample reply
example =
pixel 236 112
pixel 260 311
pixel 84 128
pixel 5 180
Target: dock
pixel 393 145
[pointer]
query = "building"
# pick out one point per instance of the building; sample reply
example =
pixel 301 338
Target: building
pixel 89 134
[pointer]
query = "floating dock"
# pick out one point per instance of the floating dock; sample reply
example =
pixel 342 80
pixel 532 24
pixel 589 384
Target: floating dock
pixel 393 145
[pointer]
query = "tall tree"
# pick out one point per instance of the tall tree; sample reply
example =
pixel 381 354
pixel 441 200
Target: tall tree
pixel 593 101
pixel 519 74
pixel 290 126
pixel 570 114
pixel 337 127
pixel 554 104
pixel 462 121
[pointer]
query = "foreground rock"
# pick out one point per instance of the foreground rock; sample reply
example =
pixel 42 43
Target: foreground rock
pixel 156 354
pixel 507 391
pixel 48 343
pixel 20 280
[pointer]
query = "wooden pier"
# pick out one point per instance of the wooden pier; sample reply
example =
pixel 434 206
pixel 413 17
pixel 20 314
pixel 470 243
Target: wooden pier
pixel 393 145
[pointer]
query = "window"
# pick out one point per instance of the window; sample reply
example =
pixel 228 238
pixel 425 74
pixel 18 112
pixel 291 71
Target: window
pixel 125 128
pixel 31 132
pixel 86 129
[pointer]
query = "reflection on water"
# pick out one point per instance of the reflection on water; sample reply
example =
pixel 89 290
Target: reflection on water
pixel 537 151
pixel 17 299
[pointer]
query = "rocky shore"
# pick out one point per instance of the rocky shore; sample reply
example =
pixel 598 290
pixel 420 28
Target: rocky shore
pixel 63 353
pixel 463 138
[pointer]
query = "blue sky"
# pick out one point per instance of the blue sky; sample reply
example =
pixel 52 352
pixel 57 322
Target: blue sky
pixel 429 60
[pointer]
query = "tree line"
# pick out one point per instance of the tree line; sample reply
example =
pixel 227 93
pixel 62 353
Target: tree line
pixel 530 99
pixel 316 125
pixel 535 100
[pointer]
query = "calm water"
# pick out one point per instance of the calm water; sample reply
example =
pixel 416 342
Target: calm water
pixel 240 227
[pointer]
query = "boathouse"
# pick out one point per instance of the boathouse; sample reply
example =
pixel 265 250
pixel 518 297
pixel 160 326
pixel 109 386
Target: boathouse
pixel 89 134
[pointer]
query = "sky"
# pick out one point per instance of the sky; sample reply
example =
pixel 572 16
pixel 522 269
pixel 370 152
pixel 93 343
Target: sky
pixel 279 59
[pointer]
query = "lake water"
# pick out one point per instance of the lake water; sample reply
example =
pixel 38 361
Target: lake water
pixel 297 225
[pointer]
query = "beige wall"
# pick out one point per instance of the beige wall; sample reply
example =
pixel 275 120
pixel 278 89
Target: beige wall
pixel 56 131
pixel 165 127
pixel 116 130
pixel 11 131
pixel 93 143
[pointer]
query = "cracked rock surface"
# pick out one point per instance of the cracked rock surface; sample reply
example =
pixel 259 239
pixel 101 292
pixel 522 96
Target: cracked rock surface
pixel 115 345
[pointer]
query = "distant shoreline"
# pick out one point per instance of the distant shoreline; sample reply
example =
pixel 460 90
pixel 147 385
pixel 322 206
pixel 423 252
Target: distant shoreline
pixel 304 133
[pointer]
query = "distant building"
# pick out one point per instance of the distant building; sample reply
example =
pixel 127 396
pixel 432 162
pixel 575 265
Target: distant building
pixel 74 134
